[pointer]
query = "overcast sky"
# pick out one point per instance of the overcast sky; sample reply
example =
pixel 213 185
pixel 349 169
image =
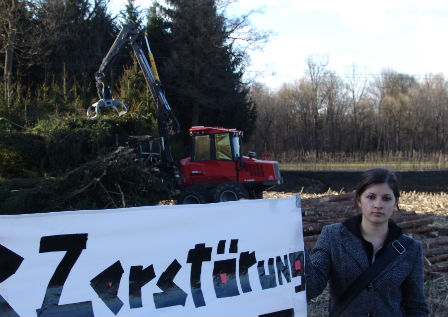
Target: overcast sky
pixel 408 36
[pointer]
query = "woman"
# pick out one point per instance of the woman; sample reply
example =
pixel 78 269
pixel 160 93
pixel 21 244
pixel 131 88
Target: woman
pixel 394 285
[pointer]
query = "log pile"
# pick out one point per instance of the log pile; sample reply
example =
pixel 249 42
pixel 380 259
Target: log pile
pixel 318 212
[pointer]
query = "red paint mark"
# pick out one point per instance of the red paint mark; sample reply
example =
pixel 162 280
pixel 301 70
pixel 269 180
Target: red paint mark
pixel 297 265
pixel 223 278
pixel 110 284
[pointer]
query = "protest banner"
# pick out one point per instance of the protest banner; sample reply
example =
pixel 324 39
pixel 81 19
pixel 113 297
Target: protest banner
pixel 242 258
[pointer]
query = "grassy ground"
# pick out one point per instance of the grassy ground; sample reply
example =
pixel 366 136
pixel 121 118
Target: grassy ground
pixel 362 166
pixel 397 161
pixel 434 203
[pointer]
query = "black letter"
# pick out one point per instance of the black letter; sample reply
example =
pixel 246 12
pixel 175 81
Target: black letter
pixel 246 261
pixel 196 256
pixel 233 246
pixel 224 278
pixel 221 247
pixel 283 268
pixel 267 281
pixel 73 244
pixel 224 272
pixel 137 279
pixel 9 263
pixel 282 313
pixel 106 285
pixel 296 261
pixel 172 294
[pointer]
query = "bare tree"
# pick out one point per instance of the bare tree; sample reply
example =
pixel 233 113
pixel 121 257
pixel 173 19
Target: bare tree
pixel 356 89
pixel 317 70
pixel 394 101
pixel 334 113
pixel 288 114
pixel 434 95
pixel 8 21
pixel 262 139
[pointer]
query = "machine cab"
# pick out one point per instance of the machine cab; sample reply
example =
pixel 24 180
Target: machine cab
pixel 214 143
pixel 215 156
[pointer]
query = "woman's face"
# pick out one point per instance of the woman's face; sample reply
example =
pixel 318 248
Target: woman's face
pixel 377 203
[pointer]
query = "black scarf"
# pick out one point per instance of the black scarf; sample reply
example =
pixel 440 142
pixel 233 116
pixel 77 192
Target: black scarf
pixel 353 224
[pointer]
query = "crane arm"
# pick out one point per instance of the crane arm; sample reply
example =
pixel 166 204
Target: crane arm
pixel 165 116
pixel 168 124
pixel 129 34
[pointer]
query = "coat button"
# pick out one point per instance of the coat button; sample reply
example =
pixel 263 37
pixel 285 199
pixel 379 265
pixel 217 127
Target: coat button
pixel 369 315
pixel 370 286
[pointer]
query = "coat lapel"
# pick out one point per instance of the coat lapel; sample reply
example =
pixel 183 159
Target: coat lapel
pixel 354 248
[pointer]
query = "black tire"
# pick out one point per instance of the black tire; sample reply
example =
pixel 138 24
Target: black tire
pixel 190 197
pixel 258 193
pixel 229 192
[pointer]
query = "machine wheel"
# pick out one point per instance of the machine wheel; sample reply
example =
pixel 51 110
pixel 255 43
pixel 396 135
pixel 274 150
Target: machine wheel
pixel 190 197
pixel 258 193
pixel 229 192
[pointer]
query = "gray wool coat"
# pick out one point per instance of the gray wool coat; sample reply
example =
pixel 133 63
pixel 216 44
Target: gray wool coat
pixel 339 257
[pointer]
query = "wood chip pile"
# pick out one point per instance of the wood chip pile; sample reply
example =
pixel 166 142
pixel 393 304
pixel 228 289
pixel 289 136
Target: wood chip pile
pixel 318 212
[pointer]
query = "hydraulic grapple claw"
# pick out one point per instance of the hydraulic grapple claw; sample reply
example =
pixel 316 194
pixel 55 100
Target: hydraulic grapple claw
pixel 94 111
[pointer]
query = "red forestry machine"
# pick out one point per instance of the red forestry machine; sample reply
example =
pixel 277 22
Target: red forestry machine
pixel 216 170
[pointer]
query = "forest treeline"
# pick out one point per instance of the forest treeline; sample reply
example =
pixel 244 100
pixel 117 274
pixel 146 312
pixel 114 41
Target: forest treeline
pixel 52 48
pixel 358 117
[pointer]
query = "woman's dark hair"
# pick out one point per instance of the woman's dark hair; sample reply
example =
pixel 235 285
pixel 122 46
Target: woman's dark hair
pixel 377 176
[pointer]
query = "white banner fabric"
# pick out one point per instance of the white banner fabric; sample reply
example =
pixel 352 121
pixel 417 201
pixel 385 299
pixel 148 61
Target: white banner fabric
pixel 242 258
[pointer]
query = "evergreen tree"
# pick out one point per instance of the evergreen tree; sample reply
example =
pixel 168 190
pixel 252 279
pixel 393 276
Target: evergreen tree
pixel 15 29
pixel 159 36
pixel 60 44
pixel 74 36
pixel 132 12
pixel 203 79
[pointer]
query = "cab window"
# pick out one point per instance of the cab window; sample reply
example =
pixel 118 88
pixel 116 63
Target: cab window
pixel 202 147
pixel 236 146
pixel 222 147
